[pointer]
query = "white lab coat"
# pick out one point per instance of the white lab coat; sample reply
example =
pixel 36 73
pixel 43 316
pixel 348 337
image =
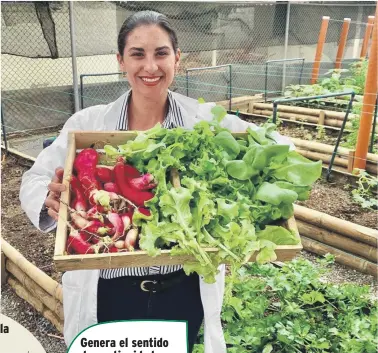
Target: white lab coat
pixel 80 287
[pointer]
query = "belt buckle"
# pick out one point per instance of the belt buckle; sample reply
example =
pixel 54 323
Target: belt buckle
pixel 144 289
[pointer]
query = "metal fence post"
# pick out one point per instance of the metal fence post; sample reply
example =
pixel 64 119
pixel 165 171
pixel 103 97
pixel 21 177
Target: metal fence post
pixel 3 128
pixel 266 81
pixel 277 61
pixel 73 54
pixel 286 46
pixel 81 92
pixel 187 82
pixel 230 104
pixel 329 170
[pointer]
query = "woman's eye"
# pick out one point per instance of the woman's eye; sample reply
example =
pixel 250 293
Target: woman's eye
pixel 162 53
pixel 137 54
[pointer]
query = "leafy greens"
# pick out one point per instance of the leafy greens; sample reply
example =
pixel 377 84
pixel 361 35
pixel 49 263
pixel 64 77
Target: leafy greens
pixel 232 189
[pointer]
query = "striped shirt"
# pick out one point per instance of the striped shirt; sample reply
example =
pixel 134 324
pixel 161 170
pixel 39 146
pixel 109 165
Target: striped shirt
pixel 173 119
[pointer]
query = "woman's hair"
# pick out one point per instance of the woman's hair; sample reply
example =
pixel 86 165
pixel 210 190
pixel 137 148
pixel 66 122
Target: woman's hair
pixel 142 18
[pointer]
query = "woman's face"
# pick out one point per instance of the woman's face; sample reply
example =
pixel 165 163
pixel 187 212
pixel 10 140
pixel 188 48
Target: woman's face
pixel 149 61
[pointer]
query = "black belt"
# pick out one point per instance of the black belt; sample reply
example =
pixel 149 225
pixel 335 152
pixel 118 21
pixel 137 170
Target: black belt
pixel 158 283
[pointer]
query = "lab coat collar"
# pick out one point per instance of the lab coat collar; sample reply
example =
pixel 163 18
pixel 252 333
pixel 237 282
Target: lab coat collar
pixel 188 106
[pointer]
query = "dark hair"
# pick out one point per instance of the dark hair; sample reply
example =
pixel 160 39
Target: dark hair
pixel 145 18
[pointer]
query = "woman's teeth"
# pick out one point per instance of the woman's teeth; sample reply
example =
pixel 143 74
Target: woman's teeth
pixel 150 79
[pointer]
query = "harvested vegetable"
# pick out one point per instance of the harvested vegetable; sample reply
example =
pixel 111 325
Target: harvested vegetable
pixel 232 190
pixel 105 227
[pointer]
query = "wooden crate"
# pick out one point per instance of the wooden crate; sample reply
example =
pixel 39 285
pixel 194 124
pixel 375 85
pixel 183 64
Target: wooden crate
pixel 63 262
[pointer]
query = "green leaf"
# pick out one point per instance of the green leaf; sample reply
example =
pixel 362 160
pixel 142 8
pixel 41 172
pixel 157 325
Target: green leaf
pixel 228 210
pixel 303 191
pixel 111 151
pixel 299 170
pixel 273 194
pixel 240 170
pixel 266 255
pixel 278 235
pixel 313 297
pixel 226 141
pixel 219 113
pixel 139 218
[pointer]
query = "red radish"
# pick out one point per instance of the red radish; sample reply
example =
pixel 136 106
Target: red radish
pixel 101 241
pixel 126 219
pixel 104 175
pixel 119 244
pixel 79 221
pixel 131 239
pixel 136 197
pixel 112 249
pixel 86 161
pixel 131 172
pixel 111 187
pixel 78 242
pixel 145 182
pixel 118 226
pixel 90 185
pixel 96 213
pixel 93 226
pixel 96 227
pixel 85 166
pixel 79 203
pixel 144 211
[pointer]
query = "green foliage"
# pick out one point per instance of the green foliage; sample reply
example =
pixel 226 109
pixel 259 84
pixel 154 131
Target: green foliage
pixel 358 70
pixel 320 132
pixel 291 310
pixel 231 188
pixel 364 195
pixel 278 120
pixel 334 83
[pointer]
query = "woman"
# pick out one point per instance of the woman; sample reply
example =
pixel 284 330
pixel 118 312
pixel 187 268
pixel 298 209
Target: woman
pixel 148 52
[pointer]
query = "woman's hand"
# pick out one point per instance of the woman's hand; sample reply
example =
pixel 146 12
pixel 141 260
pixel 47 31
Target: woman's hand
pixel 55 187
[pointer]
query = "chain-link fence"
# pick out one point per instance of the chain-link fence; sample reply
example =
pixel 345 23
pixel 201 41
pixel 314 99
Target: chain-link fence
pixel 37 69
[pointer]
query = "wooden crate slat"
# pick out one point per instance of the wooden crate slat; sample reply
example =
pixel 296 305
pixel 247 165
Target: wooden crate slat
pixel 61 232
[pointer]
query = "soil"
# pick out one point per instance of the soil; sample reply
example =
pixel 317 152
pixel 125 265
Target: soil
pixel 16 228
pixel 332 199
pixel 303 132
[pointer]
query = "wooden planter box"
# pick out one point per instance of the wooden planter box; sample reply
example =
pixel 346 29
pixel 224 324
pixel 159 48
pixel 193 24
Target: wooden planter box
pixel 63 262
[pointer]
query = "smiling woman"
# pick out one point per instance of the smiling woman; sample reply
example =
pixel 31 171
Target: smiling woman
pixel 149 54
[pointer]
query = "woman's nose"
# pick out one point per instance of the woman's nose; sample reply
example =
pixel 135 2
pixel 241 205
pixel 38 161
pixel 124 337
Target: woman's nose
pixel 150 65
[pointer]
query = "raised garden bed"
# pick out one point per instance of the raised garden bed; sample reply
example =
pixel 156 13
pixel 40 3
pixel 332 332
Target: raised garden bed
pixel 38 247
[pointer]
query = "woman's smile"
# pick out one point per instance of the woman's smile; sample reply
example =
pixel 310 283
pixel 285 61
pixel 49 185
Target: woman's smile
pixel 151 81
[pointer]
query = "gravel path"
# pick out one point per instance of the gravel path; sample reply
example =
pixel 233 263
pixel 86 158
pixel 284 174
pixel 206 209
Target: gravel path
pixel 339 274
pixel 19 310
